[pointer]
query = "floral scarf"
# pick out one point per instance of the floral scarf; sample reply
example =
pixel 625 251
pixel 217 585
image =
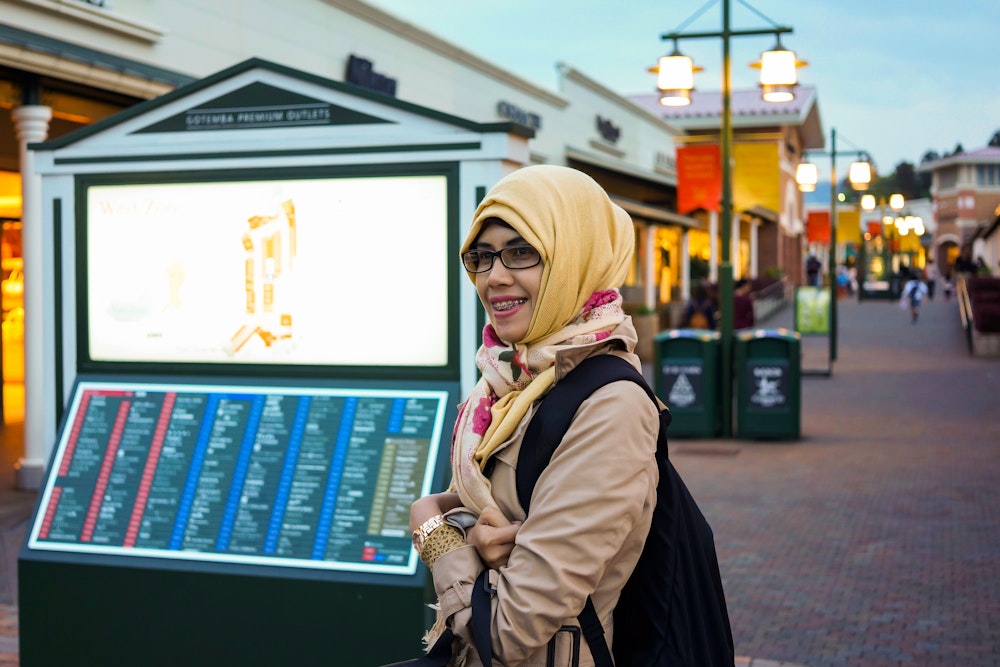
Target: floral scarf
pixel 512 379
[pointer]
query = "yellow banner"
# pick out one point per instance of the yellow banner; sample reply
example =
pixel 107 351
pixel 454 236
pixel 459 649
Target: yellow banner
pixel 848 227
pixel 756 176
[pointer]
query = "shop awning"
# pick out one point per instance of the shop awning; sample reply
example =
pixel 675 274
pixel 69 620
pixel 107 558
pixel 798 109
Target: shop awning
pixel 762 213
pixel 620 167
pixel 656 214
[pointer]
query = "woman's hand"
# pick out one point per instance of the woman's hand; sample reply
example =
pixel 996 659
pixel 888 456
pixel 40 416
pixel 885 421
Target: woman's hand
pixel 428 506
pixel 493 536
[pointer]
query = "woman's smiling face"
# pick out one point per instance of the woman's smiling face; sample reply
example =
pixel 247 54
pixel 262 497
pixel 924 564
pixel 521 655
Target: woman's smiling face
pixel 509 295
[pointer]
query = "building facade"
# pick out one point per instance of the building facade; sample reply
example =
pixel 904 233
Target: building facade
pixel 965 189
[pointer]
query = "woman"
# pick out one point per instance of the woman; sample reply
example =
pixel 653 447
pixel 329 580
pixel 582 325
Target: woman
pixel 700 311
pixel 547 251
pixel 743 313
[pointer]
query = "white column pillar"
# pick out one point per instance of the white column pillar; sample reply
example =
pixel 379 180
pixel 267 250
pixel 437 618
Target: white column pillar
pixel 685 265
pixel 734 247
pixel 651 282
pixel 32 125
pixel 754 266
pixel 713 245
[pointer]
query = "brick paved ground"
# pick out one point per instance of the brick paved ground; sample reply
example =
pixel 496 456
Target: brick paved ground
pixel 875 540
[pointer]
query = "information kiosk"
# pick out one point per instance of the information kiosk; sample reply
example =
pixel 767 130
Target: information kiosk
pixel 263 349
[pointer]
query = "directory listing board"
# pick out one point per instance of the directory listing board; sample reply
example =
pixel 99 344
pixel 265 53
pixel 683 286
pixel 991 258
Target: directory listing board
pixel 305 477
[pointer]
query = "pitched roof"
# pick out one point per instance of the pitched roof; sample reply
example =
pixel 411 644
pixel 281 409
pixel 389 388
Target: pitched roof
pixel 985 155
pixel 747 108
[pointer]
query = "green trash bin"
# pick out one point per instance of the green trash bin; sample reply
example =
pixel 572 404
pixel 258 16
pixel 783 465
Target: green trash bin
pixel 768 369
pixel 687 379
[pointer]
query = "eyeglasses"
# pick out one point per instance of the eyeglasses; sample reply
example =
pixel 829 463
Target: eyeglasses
pixel 514 257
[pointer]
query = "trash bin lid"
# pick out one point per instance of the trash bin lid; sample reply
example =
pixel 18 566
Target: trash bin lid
pixel 697 334
pixel 780 332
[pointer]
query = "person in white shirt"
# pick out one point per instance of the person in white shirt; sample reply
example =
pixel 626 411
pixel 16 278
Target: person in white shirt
pixel 913 293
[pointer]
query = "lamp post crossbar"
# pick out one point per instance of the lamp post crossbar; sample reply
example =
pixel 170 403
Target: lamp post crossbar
pixel 777 30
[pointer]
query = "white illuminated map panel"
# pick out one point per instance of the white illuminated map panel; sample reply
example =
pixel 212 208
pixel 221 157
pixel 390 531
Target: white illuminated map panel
pixel 327 271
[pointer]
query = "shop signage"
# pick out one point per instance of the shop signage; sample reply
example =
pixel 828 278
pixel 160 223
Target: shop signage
pixel 519 115
pixel 260 106
pixel 361 72
pixel 608 130
pixel 665 162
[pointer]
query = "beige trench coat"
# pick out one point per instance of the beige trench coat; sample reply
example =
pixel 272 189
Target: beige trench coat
pixel 590 513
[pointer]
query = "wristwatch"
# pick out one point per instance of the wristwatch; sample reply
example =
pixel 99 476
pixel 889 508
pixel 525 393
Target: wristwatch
pixel 425 529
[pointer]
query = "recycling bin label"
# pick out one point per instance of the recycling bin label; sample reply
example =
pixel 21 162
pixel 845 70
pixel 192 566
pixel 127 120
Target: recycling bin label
pixel 767 385
pixel 683 383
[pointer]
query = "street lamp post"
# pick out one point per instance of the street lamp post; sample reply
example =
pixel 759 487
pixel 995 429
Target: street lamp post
pixel 860 176
pixel 777 80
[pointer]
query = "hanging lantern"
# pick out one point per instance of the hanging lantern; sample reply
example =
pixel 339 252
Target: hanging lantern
pixel 778 76
pixel 675 78
pixel 807 176
pixel 860 175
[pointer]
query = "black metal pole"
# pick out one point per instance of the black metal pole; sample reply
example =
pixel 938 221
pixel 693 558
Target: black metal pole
pixel 726 263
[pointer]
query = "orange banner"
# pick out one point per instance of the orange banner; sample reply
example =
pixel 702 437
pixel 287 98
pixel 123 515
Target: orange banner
pixel 699 178
pixel 818 227
pixel 756 176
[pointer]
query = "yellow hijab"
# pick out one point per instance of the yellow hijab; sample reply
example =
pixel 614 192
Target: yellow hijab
pixel 586 240
pixel 586 243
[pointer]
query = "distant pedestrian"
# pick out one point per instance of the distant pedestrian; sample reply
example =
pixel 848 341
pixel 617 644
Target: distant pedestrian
pixel 813 266
pixel 743 317
pixel 700 311
pixel 949 286
pixel 964 263
pixel 913 293
pixel 931 276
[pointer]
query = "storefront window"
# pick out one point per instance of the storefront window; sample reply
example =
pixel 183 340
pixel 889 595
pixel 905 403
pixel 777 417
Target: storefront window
pixel 667 263
pixel 664 254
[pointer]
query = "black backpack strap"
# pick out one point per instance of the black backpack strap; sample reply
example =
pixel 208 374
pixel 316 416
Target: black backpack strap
pixel 481 610
pixel 544 433
pixel 552 419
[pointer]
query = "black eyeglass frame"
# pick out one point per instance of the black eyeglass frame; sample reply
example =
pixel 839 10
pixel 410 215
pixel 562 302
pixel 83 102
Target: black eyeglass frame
pixel 493 254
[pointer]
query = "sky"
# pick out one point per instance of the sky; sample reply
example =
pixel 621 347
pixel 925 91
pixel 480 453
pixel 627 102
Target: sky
pixel 895 78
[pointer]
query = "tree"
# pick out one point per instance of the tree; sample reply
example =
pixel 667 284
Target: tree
pixel 995 140
pixel 910 183
pixel 905 180
pixel 930 156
